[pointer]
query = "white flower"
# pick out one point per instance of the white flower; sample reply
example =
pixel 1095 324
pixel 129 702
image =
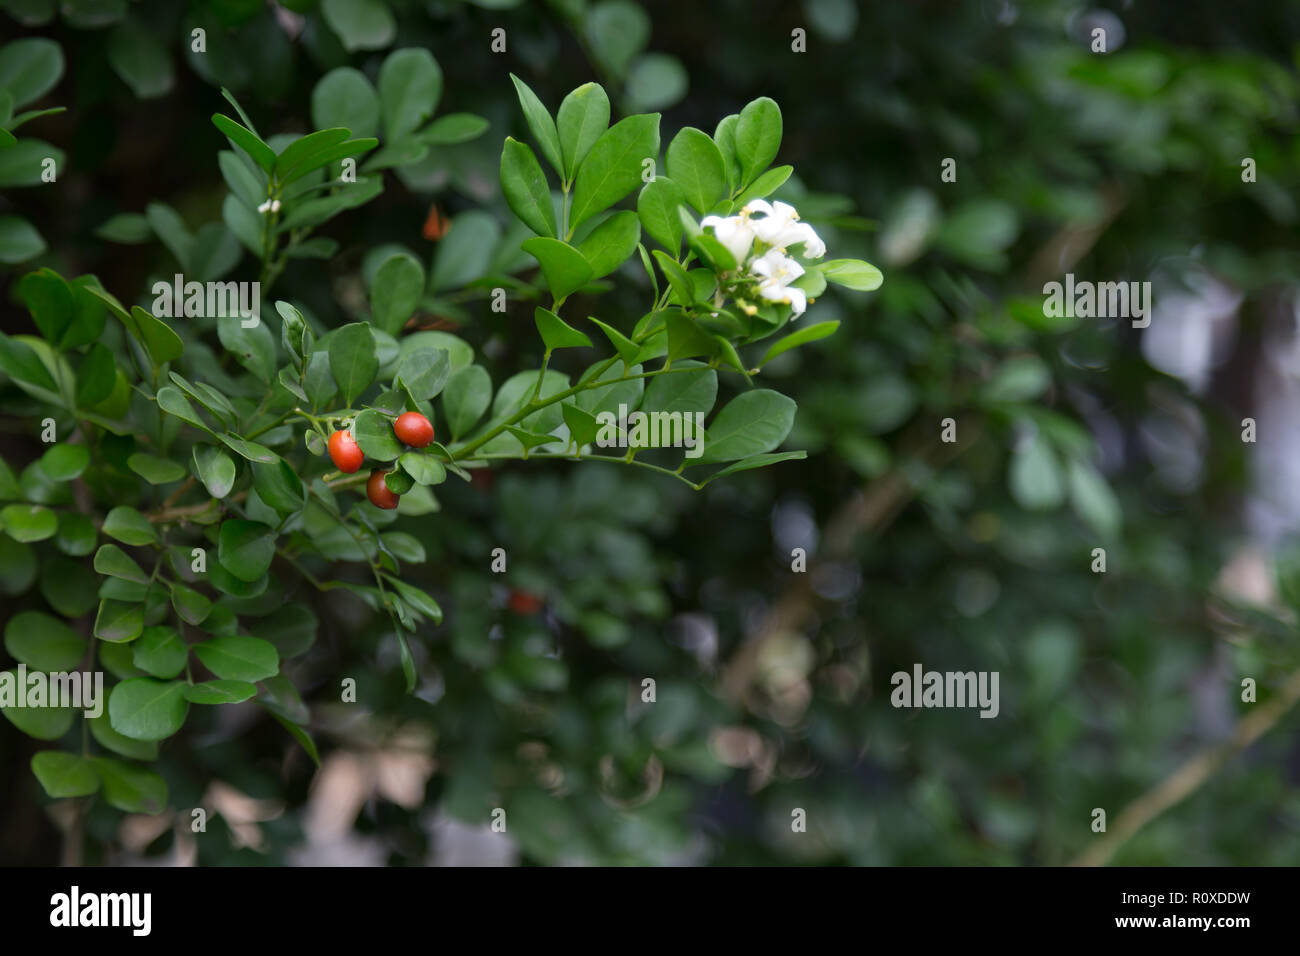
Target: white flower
pixel 775 271
pixel 780 227
pixel 269 206
pixel 734 232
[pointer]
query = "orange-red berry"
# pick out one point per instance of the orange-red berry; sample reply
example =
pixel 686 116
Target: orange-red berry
pixel 413 429
pixel 345 452
pixel 380 495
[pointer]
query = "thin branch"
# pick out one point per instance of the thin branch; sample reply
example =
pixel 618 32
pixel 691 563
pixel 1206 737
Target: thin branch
pixel 1188 778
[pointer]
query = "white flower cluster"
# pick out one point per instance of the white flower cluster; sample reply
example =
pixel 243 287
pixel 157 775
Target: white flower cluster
pixel 269 206
pixel 758 238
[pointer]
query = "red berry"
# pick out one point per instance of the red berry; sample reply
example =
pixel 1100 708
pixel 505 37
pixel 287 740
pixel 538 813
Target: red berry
pixel 380 495
pixel 413 429
pixel 345 452
pixel 522 602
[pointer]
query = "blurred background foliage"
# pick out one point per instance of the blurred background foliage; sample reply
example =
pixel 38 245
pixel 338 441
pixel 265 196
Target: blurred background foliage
pixel 772 688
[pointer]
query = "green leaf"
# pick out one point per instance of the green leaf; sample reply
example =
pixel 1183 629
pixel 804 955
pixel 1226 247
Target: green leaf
pixel 69 586
pixel 20 362
pixel 750 424
pixel 95 376
pixel 459 352
pixel 410 85
pixel 540 124
pixel 301 151
pixel 765 185
pixel 215 469
pixel 101 728
pixel 413 596
pixel 617 391
pixel 17 565
pixel 317 380
pixel 565 268
pixel 757 137
pixel 695 164
pixel 253 348
pixel 374 433
pixel 423 468
pixel 360 24
pixel 129 526
pixel 613 167
pixel 344 97
pixel 1035 475
pixel 685 338
pixel 556 333
pixel 314 212
pixel 131 789
pixel 304 738
pixel 162 344
pixel 279 486
pixel 146 709
pixel 140 60
pixel 43 723
pixel 250 450
pixel 49 299
pixel 398 481
pixel 583 117
pixel 208 397
pixel 626 348
pixel 465 253
pixel 423 372
pixel 190 605
pixel 396 292
pixel 466 398
pixel 113 561
pixel 524 186
pixel 611 243
pixel 215 692
pixel 755 461
pixel 19 240
pixel 173 401
pixel 159 651
pixel 65 461
pixel 352 358
pixel 155 470
pixel 453 128
pixel 677 277
pixel 64 775
pixel 583 426
pixel 239 658
pixel 852 274
pixel 1021 378
pixel 688 392
pixel 245 548
pixel 28 523
pixel 30 68
pixel 809 333
pixel 76 535
pixel 1093 500
pixel 118 621
pixel 617 30
pixel 129 228
pixel 247 141
pixel 44 643
pixel 657 206
pixel 531 439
